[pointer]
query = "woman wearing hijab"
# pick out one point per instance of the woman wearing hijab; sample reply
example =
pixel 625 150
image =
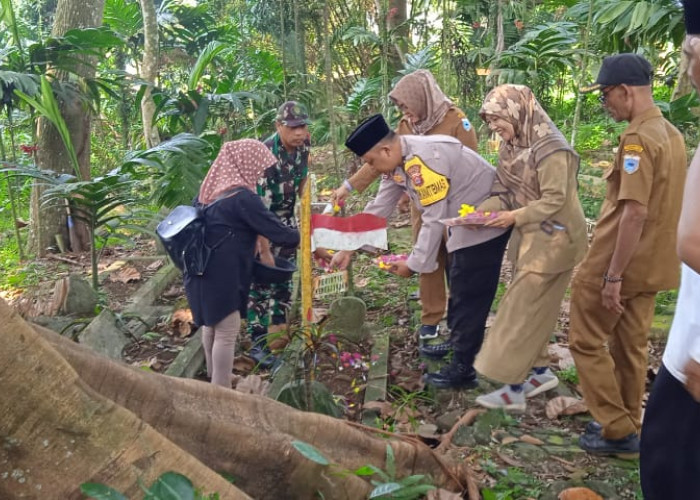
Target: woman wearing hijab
pixel 536 193
pixel 426 111
pixel 218 297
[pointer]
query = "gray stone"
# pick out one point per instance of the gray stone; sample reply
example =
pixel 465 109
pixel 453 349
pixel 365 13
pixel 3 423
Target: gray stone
pixel 294 395
pixel 447 420
pixel 80 298
pixel 61 324
pixel 189 360
pixel 377 376
pixel 604 489
pixel 347 318
pixel 465 437
pixel 104 336
pixel 530 453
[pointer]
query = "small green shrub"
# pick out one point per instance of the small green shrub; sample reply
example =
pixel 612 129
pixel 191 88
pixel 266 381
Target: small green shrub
pixel 169 486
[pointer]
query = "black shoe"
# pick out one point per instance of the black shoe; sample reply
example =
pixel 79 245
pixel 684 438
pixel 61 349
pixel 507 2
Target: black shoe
pixel 262 356
pixel 596 444
pixel 427 332
pixel 453 376
pixel 414 295
pixel 435 351
pixel 593 427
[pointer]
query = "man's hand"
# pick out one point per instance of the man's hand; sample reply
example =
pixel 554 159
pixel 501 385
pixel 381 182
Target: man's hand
pixel 341 260
pixel 504 219
pixel 692 383
pixel 610 296
pixel 339 195
pixel 321 254
pixel 267 258
pixel 400 268
pixel 404 203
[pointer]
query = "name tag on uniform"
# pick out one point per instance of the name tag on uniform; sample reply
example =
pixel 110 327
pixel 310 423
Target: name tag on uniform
pixel 430 186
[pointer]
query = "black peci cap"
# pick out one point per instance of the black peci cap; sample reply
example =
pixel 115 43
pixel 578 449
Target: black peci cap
pixel 628 69
pixel 367 134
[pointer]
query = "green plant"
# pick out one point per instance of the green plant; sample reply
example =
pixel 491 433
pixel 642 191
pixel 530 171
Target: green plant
pixel 512 483
pixel 387 485
pixel 666 302
pixel 168 486
pixel 100 203
pixel 569 375
pixel 591 206
pixel 404 401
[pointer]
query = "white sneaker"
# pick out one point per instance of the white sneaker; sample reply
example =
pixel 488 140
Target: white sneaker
pixel 537 384
pixel 504 398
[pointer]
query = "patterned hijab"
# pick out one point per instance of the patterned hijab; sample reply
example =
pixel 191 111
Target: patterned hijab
pixel 535 138
pixel 420 93
pixel 239 163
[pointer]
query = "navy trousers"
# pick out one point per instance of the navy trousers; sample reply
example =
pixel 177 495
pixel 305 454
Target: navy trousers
pixel 474 273
pixel 669 458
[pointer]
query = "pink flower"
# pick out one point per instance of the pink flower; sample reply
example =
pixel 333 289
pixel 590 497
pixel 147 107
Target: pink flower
pixel 29 149
pixel 332 339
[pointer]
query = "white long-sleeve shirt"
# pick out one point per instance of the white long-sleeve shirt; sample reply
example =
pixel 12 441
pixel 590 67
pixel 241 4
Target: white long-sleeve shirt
pixel 684 338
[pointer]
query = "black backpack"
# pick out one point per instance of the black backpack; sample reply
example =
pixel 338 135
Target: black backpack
pixel 183 233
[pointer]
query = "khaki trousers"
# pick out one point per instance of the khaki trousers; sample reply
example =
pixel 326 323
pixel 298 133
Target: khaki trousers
pixel 610 352
pixel 526 318
pixel 433 296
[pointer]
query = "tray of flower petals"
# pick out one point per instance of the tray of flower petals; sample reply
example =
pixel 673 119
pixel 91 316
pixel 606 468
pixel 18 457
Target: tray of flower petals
pixel 387 261
pixel 477 218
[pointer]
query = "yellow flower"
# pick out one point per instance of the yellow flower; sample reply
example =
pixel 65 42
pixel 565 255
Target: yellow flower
pixel 466 210
pixel 336 209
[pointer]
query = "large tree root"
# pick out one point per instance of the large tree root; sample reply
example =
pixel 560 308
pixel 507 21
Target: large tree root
pixel 246 436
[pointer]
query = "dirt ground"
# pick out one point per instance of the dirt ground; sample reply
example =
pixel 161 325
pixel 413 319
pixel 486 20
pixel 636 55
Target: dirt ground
pixel 531 455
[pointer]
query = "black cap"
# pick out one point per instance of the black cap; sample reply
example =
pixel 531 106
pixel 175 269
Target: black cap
pixel 692 16
pixel 628 69
pixel 367 134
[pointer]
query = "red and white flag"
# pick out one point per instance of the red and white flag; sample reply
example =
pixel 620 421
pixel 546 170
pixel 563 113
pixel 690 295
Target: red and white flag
pixel 348 233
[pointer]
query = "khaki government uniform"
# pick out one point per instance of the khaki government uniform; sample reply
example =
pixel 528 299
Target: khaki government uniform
pixel 432 285
pixel 610 350
pixel 548 240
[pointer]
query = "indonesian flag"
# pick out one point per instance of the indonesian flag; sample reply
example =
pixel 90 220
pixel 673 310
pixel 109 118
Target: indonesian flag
pixel 348 233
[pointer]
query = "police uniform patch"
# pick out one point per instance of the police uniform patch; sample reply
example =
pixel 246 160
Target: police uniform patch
pixel 630 163
pixel 430 186
pixel 466 124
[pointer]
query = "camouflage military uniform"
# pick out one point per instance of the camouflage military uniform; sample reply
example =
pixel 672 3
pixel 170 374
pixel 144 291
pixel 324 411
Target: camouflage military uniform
pixel 278 188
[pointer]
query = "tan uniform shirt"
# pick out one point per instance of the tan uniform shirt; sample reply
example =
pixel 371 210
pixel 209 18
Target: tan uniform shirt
pixel 439 174
pixel 455 124
pixel 550 232
pixel 649 168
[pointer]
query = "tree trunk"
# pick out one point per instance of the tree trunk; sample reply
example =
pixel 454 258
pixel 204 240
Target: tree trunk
pixel 500 34
pixel 397 22
pixel 59 433
pixel 684 85
pixel 52 154
pixel 71 416
pixel 149 71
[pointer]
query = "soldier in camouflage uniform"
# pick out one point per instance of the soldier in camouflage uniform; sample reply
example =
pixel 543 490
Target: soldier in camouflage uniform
pixel 279 188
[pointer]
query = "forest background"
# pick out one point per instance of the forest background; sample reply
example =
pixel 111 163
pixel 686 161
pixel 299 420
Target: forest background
pixel 117 108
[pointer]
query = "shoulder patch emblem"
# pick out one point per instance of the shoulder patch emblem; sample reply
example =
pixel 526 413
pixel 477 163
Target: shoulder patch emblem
pixel 636 148
pixel 630 163
pixel 466 124
pixel 429 185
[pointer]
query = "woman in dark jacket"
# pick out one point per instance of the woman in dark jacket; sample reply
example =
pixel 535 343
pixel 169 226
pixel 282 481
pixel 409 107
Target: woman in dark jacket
pixel 218 297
